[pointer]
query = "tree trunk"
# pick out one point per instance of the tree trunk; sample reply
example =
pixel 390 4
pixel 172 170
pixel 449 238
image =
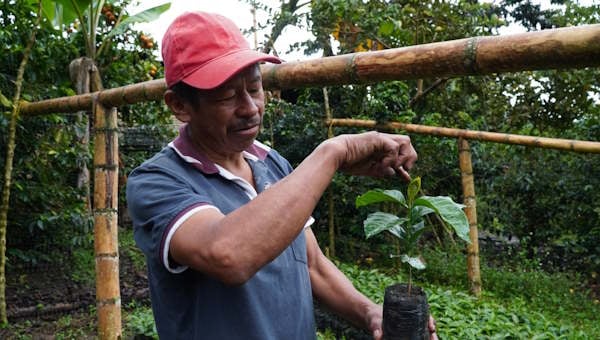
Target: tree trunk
pixel 10 153
pixel 79 70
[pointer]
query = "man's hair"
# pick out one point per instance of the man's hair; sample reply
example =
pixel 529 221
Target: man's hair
pixel 187 93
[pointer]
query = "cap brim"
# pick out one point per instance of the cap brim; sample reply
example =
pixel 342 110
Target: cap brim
pixel 216 72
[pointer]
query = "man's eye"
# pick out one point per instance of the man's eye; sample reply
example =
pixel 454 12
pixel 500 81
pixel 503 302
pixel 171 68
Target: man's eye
pixel 226 97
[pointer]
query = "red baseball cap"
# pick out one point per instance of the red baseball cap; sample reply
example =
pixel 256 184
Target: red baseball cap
pixel 205 49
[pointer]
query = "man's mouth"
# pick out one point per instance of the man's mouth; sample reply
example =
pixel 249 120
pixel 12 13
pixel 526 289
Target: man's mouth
pixel 249 125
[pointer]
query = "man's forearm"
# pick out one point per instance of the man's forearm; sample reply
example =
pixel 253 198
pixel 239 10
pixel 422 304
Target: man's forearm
pixel 263 228
pixel 332 288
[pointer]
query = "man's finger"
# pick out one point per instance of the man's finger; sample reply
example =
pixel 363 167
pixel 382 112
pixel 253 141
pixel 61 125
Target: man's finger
pixel 402 173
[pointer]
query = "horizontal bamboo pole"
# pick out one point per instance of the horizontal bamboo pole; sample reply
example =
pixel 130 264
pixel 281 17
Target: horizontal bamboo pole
pixel 505 138
pixel 119 96
pixel 572 47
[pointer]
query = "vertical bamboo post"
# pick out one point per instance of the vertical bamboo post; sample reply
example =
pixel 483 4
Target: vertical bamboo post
pixel 466 172
pixel 330 190
pixel 106 247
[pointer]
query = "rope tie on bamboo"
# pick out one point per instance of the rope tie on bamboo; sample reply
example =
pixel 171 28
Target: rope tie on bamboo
pixel 144 94
pixel 106 167
pixel 109 256
pixel 123 99
pixel 272 79
pixel 350 69
pixel 330 127
pixel 471 55
pixel 108 302
pixel 95 101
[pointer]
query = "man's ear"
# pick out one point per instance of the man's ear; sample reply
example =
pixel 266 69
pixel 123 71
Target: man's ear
pixel 177 105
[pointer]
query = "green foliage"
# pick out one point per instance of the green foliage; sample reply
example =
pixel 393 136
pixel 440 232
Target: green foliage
pixel 148 15
pixel 45 204
pixel 139 322
pixel 328 334
pixel 538 305
pixel 560 295
pixel 84 16
pixel 83 262
pixel 410 226
pixel 545 198
pixel 371 282
pixel 128 247
pixel 292 129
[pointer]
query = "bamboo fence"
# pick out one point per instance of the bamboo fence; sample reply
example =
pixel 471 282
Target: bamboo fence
pixel 574 47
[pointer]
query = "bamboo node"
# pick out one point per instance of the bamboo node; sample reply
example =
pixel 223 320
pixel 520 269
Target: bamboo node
pixel 471 55
pixel 105 211
pixel 272 79
pixel 350 69
pixel 109 302
pixel 102 130
pixel 144 94
pixel 106 166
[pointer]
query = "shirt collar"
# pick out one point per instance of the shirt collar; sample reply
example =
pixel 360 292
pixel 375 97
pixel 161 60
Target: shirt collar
pixel 184 148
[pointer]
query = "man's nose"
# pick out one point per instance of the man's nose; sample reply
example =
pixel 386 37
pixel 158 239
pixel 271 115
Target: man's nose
pixel 247 105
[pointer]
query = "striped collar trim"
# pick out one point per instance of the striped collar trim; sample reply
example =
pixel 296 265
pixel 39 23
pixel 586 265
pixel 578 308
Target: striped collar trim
pixel 184 148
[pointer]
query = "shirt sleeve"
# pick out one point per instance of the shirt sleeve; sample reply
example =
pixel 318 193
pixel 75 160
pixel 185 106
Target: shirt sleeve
pixel 158 203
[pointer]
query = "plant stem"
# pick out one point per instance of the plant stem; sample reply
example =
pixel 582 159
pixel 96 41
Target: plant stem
pixel 10 153
pixel 409 279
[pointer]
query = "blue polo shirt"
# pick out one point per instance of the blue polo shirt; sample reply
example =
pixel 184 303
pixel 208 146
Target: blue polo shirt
pixel 276 303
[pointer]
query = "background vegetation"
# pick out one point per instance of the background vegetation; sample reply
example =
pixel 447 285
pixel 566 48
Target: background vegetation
pixel 541 206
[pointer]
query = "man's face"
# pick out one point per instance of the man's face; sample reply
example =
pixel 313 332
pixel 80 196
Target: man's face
pixel 227 119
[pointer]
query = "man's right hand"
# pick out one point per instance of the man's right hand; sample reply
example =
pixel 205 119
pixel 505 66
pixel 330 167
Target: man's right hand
pixel 375 154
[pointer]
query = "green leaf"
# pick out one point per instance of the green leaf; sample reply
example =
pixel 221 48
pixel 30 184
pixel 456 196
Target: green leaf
pixel 416 230
pixel 61 12
pixel 413 189
pixel 378 222
pixel 378 196
pixel 450 212
pixel 386 28
pixel 421 211
pixel 398 229
pixel 49 10
pixel 414 262
pixel 148 15
pixel 4 101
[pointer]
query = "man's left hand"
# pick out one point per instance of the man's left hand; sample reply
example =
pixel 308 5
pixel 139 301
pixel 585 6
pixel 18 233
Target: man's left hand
pixel 375 319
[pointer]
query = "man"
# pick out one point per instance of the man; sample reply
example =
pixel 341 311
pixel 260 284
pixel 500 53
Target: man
pixel 223 220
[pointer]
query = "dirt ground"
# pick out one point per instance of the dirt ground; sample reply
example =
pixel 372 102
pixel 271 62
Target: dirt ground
pixel 44 302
